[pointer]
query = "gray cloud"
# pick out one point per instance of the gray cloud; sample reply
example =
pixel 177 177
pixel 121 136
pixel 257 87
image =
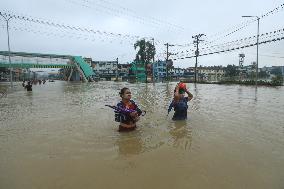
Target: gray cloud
pixel 159 19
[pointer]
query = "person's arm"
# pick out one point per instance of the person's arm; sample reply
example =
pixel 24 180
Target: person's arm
pixel 137 109
pixel 171 106
pixel 176 95
pixel 190 96
pixel 117 115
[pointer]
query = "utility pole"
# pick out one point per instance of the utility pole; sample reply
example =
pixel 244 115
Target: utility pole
pixel 167 58
pixel 257 43
pixel 7 18
pixel 146 65
pixel 154 47
pixel 196 41
pixel 116 69
pixel 153 71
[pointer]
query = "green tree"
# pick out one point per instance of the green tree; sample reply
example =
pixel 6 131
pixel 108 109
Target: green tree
pixel 231 71
pixel 145 53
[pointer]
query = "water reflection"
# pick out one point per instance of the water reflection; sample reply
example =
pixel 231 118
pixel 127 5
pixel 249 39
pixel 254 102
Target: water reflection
pixel 3 91
pixel 181 135
pixel 129 143
pixel 168 90
pixel 3 94
pixel 70 120
pixel 255 94
pixel 195 102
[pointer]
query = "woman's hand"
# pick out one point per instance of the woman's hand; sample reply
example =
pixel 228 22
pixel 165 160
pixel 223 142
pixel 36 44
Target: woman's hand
pixel 134 114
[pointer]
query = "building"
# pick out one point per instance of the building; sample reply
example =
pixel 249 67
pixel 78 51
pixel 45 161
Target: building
pixel 250 70
pixel 88 61
pixel 176 73
pixel 266 69
pixel 107 70
pixel 188 74
pixel 4 74
pixel 210 73
pixel 123 71
pixel 159 69
pixel 17 74
pixel 137 72
pixel 278 67
pixel 282 70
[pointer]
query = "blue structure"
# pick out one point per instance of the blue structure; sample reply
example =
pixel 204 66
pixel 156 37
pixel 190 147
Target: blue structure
pixel 159 69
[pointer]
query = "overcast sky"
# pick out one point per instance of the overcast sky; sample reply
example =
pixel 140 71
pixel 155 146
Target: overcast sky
pixel 174 22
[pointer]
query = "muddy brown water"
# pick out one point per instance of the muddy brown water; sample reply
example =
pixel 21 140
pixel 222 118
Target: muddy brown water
pixel 62 136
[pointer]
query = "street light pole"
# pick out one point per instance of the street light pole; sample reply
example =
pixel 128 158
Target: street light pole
pixel 153 71
pixel 7 18
pixel 167 58
pixel 116 69
pixel 257 43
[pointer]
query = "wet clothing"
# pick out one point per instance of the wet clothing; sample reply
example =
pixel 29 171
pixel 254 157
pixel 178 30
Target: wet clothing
pixel 124 116
pixel 180 109
pixel 29 87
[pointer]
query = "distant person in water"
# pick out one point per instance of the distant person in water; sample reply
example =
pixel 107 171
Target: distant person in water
pixel 179 102
pixel 129 112
pixel 23 84
pixel 29 86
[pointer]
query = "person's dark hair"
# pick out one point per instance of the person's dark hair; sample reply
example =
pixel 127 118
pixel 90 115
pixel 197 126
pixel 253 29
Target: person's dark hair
pixel 122 91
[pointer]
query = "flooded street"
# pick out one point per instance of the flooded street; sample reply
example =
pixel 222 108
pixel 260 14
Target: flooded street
pixel 62 136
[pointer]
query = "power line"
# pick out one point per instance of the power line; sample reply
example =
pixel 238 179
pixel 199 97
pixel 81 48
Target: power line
pixel 229 47
pixel 245 40
pixel 233 49
pixel 77 36
pixel 237 42
pixel 118 10
pixel 69 27
pixel 245 24
pixel 236 28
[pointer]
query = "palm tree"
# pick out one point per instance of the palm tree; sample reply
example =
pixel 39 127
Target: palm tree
pixel 145 53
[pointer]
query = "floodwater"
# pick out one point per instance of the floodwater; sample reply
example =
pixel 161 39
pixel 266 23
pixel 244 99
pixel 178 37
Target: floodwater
pixel 61 136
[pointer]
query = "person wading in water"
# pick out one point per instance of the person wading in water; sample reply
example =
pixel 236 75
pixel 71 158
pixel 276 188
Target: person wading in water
pixel 129 112
pixel 179 102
